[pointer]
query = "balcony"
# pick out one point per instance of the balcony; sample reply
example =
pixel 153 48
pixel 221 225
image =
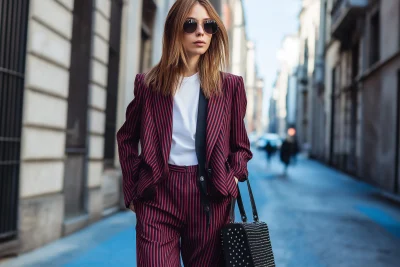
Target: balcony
pixel 344 16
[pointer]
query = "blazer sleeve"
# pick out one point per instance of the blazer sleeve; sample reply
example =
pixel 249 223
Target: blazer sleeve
pixel 128 141
pixel 240 152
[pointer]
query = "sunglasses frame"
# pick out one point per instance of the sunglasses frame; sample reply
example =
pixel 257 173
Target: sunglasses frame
pixel 208 21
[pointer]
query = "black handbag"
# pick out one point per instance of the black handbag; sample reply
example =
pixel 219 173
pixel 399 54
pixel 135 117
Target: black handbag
pixel 244 243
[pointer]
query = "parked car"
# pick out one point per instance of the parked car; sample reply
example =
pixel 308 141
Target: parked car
pixel 253 138
pixel 274 139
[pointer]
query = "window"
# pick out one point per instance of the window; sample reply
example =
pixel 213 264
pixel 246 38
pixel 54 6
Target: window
pixel 76 138
pixel 112 83
pixel 374 38
pixel 148 16
pixel 13 26
pixel 354 60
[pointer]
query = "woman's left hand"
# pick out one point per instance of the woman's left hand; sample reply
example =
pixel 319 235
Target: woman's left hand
pixel 236 180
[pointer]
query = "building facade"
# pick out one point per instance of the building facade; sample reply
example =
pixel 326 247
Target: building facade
pixel 251 90
pixel 260 123
pixel 308 33
pixel 318 147
pixel 272 112
pixel 285 88
pixel 65 80
pixel 254 93
pixel 243 60
pixel 357 84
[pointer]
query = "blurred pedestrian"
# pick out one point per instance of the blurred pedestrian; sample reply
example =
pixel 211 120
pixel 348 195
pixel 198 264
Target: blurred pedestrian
pixel 286 153
pixel 295 149
pixel 269 149
pixel 182 111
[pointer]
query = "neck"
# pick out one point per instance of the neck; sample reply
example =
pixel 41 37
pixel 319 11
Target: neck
pixel 193 64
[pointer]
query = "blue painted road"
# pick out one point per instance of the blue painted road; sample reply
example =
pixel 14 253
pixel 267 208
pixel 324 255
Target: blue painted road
pixel 316 215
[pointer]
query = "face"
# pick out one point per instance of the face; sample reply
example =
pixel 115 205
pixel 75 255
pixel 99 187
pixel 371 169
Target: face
pixel 198 30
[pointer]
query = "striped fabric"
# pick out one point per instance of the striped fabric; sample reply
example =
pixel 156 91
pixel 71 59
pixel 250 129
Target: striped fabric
pixel 174 221
pixel 149 119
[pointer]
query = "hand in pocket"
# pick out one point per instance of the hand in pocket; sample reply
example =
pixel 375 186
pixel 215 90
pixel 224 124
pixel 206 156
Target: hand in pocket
pixel 132 207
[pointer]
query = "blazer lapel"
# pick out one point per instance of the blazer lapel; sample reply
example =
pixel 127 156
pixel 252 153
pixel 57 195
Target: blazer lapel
pixel 215 119
pixel 163 108
pixel 163 115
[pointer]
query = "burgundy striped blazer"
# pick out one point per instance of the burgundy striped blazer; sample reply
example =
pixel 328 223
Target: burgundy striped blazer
pixel 149 119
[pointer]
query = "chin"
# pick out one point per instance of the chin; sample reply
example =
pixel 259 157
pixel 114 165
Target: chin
pixel 198 52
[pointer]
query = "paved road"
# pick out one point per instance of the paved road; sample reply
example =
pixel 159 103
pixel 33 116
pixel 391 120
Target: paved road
pixel 316 215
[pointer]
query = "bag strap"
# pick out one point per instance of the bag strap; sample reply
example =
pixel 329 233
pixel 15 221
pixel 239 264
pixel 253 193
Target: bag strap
pixel 253 203
pixel 200 144
pixel 241 206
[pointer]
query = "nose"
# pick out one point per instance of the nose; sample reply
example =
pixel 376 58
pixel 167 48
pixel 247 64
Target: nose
pixel 200 30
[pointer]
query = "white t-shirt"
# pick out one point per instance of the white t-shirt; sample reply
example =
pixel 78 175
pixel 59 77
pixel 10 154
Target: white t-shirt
pixel 186 102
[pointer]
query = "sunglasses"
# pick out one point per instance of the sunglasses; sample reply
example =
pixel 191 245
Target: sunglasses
pixel 210 26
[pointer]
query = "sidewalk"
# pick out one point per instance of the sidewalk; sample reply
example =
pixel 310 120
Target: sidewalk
pixel 322 217
pixel 110 242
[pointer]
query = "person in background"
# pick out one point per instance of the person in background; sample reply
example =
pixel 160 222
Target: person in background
pixel 286 153
pixel 295 149
pixel 269 149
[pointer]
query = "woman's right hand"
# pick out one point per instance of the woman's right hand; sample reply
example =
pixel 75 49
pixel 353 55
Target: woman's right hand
pixel 132 207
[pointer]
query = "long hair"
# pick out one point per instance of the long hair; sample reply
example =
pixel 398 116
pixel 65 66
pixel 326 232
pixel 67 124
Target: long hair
pixel 165 76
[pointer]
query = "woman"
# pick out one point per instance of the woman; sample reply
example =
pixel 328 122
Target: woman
pixel 181 203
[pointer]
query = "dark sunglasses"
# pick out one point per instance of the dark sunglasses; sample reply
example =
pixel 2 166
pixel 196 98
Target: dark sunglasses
pixel 210 26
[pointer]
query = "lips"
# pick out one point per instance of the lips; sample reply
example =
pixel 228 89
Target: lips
pixel 200 42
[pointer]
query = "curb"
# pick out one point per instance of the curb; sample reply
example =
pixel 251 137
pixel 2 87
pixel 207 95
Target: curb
pixel 390 196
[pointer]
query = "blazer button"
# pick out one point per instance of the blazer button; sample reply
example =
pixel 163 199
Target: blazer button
pixel 201 178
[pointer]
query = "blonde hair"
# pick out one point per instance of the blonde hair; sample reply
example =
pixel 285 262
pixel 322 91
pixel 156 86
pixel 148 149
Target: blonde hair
pixel 165 76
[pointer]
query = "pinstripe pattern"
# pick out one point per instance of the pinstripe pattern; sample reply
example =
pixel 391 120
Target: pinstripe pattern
pixel 167 200
pixel 149 118
pixel 176 212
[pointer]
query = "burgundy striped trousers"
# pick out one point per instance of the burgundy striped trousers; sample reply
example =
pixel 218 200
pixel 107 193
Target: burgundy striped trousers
pixel 174 223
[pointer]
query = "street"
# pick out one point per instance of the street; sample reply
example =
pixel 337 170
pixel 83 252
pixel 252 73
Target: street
pixel 316 216
pixel 83 81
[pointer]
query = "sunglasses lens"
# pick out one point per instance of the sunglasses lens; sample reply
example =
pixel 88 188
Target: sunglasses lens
pixel 210 27
pixel 190 26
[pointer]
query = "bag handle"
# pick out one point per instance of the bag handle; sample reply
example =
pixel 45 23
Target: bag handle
pixel 241 206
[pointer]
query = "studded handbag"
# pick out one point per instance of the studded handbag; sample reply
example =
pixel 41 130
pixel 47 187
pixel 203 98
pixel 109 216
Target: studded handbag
pixel 246 244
